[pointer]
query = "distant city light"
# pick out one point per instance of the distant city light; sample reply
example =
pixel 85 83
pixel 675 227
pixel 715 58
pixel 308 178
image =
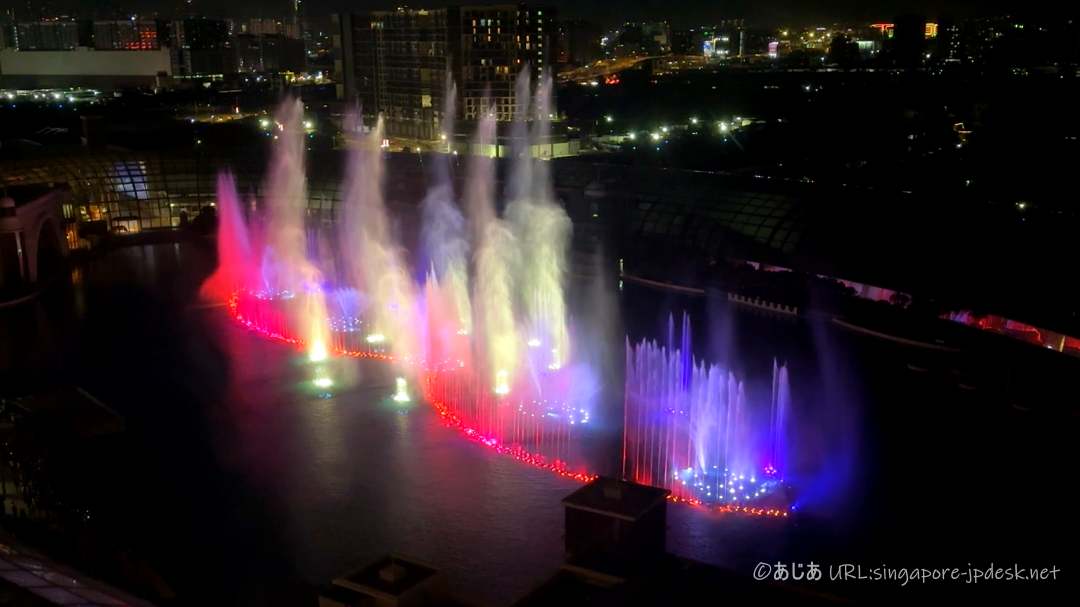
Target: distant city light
pixel 263 122
pixel 609 118
pixel 724 127
pixel 632 136
pixel 693 120
pixel 654 136
pixel 664 129
pixel 309 124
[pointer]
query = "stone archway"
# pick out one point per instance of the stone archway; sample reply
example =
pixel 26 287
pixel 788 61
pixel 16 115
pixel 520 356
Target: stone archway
pixel 50 252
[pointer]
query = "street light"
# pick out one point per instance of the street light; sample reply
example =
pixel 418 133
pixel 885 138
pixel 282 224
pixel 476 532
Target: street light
pixel 693 120
pixel 609 118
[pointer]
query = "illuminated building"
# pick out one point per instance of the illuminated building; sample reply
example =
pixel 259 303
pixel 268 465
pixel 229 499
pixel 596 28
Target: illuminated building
pixel 126 35
pixel 266 26
pixel 51 35
pixel 395 63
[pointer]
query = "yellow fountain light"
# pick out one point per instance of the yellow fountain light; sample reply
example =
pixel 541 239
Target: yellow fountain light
pixel 317 353
pixel 375 338
pixel 502 383
pixel 401 393
pixel 556 361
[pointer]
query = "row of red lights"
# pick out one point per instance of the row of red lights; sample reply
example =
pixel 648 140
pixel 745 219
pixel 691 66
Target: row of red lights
pixel 538 461
pixel 729 508
pixel 234 311
pixel 453 421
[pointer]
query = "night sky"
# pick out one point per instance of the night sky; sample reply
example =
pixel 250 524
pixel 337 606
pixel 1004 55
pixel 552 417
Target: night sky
pixel 606 12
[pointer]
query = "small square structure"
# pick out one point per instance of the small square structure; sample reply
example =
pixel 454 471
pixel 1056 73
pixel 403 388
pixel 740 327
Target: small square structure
pixel 392 581
pixel 615 528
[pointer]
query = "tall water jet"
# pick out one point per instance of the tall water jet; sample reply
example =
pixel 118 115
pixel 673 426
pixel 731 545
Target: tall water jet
pixel 541 226
pixel 494 256
pixel 235 263
pixel 375 263
pixel 690 427
pixel 444 234
pixel 286 233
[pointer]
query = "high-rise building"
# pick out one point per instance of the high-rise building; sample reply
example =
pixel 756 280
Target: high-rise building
pixel 264 25
pixel 641 39
pixel 579 42
pixel 497 42
pixel 202 47
pixel 126 35
pixel 395 63
pixel 269 53
pixel 50 35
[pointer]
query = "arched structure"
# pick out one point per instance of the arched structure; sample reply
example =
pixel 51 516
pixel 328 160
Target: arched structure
pixel 32 242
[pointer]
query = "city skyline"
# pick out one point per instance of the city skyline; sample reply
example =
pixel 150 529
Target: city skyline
pixel 688 13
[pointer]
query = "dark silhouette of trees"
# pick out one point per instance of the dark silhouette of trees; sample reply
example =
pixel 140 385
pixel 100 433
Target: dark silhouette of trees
pixel 843 52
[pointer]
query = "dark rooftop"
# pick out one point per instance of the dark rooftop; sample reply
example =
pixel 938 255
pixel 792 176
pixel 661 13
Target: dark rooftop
pixel 24 193
pixel 390 575
pixel 613 497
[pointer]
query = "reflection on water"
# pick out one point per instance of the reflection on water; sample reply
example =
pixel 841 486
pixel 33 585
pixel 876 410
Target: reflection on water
pixel 232 454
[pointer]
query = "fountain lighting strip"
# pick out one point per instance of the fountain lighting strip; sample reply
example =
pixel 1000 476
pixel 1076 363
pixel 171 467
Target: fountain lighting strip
pixel 522 455
pixel 451 420
pixel 729 508
pixel 234 311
